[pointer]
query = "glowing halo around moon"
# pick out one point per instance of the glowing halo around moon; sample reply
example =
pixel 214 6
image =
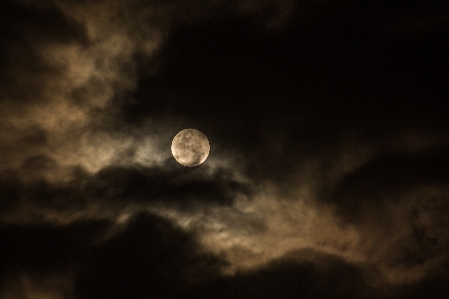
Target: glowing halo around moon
pixel 190 147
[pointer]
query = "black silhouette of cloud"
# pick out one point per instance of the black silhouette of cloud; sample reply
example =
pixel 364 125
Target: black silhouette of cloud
pixel 327 175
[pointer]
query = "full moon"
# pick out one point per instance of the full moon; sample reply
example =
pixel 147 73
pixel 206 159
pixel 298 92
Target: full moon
pixel 190 147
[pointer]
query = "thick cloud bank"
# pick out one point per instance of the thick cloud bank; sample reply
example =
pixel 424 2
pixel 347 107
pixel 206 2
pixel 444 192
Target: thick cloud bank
pixel 327 174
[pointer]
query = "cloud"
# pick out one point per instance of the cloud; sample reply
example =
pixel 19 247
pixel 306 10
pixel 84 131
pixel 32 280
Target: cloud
pixel 25 69
pixel 147 256
pixel 112 191
pixel 326 277
pixel 140 184
pixel 60 80
pixel 150 258
pixel 47 247
pixel 328 149
pixel 386 176
pixel 435 286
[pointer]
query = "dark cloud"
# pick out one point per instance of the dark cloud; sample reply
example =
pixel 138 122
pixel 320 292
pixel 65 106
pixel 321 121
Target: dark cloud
pixel 38 23
pixel 117 185
pixel 173 186
pixel 10 191
pixel 435 286
pixel 328 130
pixel 46 248
pixel 288 278
pixel 310 274
pixel 149 258
pixel 19 143
pixel 388 176
pixel 24 30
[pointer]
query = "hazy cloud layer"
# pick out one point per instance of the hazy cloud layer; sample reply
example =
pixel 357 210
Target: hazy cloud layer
pixel 327 175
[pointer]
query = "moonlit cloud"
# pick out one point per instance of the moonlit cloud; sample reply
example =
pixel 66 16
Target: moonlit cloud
pixel 327 174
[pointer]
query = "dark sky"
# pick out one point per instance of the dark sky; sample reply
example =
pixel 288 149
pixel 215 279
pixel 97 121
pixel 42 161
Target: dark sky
pixel 329 165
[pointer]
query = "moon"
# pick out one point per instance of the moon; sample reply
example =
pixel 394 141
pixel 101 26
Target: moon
pixel 190 147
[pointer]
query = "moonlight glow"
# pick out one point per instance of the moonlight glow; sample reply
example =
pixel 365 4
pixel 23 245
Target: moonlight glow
pixel 327 177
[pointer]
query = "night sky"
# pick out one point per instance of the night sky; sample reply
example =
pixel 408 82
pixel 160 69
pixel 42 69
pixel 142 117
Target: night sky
pixel 328 172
